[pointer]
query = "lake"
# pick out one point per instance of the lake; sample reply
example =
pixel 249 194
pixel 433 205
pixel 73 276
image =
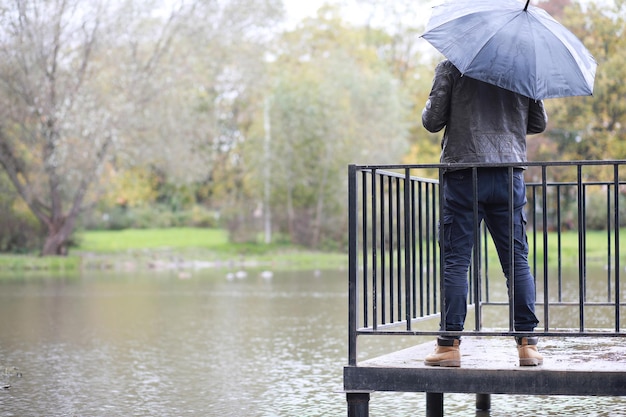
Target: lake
pixel 205 343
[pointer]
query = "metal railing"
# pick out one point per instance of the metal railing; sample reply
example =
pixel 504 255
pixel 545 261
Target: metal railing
pixel 575 212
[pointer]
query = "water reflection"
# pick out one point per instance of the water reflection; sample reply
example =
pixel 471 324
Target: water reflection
pixel 156 345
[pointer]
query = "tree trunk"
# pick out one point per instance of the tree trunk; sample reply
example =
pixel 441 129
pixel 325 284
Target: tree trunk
pixel 59 232
pixel 55 245
pixel 319 211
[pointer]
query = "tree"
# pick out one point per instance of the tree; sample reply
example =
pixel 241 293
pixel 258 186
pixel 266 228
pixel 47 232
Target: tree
pixel 61 114
pixel 332 101
pixel 595 127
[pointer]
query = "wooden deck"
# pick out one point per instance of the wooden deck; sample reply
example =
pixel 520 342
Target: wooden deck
pixel 581 366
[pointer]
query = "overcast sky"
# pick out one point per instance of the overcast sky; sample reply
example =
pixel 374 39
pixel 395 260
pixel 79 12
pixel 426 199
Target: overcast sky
pixel 299 9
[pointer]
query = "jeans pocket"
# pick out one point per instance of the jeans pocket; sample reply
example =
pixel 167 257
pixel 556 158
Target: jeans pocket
pixel 521 234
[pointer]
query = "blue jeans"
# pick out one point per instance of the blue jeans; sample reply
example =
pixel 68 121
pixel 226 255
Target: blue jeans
pixel 458 240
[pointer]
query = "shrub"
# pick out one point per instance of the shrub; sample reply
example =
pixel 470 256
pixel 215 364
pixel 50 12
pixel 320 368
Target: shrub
pixel 20 232
pixel 149 217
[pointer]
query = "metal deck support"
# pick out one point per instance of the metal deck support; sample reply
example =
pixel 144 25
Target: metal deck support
pixel 358 403
pixel 434 404
pixel 483 402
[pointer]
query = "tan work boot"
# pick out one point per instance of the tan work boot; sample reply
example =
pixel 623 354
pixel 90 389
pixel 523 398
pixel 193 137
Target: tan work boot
pixel 527 349
pixel 447 353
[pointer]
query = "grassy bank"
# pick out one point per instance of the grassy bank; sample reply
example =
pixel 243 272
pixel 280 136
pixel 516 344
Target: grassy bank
pixel 118 241
pixel 186 247
pixel 32 262
pixel 172 248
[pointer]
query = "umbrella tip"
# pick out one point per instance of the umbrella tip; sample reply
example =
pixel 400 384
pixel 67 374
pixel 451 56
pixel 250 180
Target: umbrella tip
pixel 526 7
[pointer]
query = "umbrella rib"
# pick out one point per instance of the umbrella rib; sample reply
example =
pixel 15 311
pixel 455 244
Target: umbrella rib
pixel 532 34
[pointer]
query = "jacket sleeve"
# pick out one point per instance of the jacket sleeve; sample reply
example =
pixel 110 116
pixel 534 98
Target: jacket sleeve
pixel 537 117
pixel 437 109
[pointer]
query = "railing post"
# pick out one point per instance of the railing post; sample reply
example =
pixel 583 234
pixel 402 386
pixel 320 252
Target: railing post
pixel 407 247
pixel 616 210
pixel 476 255
pixel 581 248
pixel 442 254
pixel 352 264
pixel 544 221
pixel 511 259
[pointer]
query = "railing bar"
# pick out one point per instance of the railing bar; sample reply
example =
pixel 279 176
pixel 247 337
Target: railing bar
pixel 352 264
pixel 437 199
pixel 475 273
pixel 559 304
pixel 381 170
pixel 544 206
pixel 420 242
pixel 534 189
pixel 374 254
pixel 413 251
pixel 393 237
pixel 428 243
pixel 573 183
pixel 398 251
pixel 407 249
pixel 581 249
pixel 511 259
pixel 584 235
pixel 608 243
pixel 455 165
pixel 486 261
pixel 442 254
pixel 565 333
pixel 383 251
pixel 365 246
pixel 433 249
pixel 391 247
pixel 558 244
pixel 617 247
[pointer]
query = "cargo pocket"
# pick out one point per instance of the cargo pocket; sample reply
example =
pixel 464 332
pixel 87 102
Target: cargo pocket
pixel 520 232
pixel 448 221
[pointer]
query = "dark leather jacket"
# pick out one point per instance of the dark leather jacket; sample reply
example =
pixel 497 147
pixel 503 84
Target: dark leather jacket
pixel 484 123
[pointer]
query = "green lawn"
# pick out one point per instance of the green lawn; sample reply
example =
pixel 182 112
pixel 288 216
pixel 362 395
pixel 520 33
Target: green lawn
pixel 107 249
pixel 112 241
pixel 596 245
pixel 103 249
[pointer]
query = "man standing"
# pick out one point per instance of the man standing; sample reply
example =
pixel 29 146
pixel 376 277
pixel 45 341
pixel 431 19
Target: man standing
pixel 483 124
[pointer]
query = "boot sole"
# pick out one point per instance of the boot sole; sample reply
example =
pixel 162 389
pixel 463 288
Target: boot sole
pixel 446 363
pixel 530 362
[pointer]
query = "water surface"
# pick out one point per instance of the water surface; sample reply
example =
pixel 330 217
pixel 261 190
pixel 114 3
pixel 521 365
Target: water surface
pixel 210 344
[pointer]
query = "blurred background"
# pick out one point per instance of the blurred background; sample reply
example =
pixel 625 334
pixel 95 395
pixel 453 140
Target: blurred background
pixel 240 115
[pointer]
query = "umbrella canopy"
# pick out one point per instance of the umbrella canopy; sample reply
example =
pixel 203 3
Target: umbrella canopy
pixel 518 48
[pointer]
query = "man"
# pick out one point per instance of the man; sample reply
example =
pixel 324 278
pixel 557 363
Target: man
pixel 483 124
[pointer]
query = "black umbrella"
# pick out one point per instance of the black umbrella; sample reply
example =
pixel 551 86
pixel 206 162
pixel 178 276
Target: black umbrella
pixel 518 48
